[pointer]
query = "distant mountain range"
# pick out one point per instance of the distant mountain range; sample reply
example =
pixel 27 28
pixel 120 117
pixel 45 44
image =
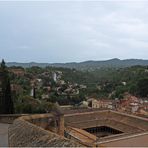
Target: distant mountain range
pixel 87 65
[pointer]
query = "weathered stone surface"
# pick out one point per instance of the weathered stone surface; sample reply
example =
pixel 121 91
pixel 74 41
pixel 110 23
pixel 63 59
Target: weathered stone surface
pixel 33 130
pixel 25 134
pixel 9 118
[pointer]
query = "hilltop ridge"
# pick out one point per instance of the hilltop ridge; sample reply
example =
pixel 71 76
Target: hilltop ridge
pixel 87 65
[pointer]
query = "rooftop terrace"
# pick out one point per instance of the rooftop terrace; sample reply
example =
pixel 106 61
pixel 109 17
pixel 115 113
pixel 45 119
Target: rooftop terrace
pixel 107 125
pixel 35 130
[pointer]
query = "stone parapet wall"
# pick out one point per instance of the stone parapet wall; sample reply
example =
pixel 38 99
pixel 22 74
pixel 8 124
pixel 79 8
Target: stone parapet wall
pixel 9 118
pixel 83 110
pixel 35 130
pixel 135 121
pixel 40 120
pixel 25 132
pixel 90 119
pixel 110 123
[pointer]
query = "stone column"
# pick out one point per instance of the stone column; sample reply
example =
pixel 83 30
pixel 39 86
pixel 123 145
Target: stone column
pixel 61 125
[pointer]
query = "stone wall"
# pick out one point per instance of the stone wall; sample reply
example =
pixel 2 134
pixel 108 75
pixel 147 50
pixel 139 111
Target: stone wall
pixel 135 121
pixel 29 131
pixel 35 130
pixel 90 119
pixel 9 118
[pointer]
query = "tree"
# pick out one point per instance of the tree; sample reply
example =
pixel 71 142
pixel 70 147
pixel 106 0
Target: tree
pixel 6 103
pixel 143 87
pixel 3 65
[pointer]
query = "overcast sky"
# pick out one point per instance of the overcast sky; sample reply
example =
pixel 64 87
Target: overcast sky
pixel 62 31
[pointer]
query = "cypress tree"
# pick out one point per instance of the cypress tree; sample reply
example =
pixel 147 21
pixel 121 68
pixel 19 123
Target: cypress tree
pixel 6 103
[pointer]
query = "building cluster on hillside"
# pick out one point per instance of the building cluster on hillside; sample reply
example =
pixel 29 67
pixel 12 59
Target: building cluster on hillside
pixel 129 104
pixel 46 79
pixel 47 82
pixel 69 88
pixel 102 103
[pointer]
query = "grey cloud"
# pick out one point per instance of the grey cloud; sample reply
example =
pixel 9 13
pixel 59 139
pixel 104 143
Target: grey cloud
pixel 73 31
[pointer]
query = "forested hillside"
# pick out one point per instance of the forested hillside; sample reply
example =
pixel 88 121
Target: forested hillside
pixel 111 82
pixel 87 65
pixel 43 86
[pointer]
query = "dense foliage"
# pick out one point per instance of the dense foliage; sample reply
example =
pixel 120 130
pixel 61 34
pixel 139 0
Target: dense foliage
pixel 100 83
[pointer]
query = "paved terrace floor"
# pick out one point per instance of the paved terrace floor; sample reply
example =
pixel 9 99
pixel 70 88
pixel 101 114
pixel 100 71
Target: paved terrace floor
pixel 4 135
